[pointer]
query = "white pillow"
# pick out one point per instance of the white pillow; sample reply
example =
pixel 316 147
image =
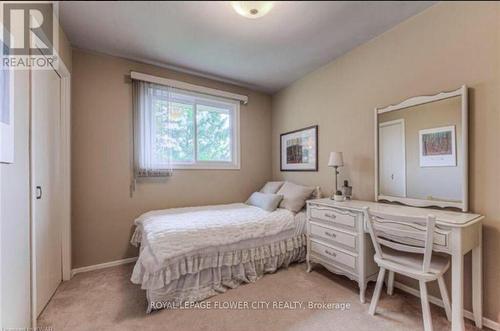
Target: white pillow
pixel 266 201
pixel 271 187
pixel 294 196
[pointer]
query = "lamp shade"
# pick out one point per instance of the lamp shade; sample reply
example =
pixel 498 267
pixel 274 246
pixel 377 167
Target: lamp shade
pixel 336 159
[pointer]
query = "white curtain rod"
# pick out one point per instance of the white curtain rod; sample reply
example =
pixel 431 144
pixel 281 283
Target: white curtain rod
pixel 189 87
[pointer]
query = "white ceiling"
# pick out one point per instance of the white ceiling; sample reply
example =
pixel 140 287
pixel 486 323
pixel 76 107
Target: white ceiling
pixel 208 38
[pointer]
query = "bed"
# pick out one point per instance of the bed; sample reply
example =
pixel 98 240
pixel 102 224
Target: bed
pixel 190 254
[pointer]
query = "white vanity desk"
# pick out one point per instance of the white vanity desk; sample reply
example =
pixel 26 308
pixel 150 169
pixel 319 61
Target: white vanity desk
pixel 338 239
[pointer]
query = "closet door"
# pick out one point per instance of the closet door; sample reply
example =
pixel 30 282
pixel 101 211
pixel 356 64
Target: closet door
pixel 46 182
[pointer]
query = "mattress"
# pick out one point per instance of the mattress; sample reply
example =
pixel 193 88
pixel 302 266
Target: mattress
pixel 212 248
pixel 175 232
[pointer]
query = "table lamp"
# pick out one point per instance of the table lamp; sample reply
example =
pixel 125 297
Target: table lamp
pixel 336 160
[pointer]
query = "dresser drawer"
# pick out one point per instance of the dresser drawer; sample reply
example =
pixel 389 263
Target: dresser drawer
pixel 335 236
pixel 334 216
pixel 333 254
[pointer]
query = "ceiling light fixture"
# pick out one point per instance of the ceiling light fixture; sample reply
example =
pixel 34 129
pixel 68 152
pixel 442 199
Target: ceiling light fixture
pixel 252 9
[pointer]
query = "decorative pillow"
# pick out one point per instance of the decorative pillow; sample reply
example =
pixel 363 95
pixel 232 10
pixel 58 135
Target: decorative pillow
pixel 266 201
pixel 294 196
pixel 271 187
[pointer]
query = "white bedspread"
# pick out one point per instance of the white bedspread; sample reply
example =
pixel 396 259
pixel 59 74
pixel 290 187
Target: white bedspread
pixel 169 233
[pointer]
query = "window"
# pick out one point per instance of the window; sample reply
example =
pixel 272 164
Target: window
pixel 178 129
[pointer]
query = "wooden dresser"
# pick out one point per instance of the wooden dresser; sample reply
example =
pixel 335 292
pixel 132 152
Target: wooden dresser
pixel 336 239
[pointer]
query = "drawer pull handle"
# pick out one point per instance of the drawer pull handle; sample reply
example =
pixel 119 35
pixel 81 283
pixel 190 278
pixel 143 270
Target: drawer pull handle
pixel 330 253
pixel 333 235
pixel 330 216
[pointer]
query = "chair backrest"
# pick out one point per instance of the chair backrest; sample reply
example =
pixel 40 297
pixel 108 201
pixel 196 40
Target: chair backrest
pixel 402 233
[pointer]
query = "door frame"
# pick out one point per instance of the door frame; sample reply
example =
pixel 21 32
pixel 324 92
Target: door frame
pixel 401 122
pixel 65 76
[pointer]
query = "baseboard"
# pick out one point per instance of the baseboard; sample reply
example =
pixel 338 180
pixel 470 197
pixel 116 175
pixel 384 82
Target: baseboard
pixel 438 302
pixel 102 265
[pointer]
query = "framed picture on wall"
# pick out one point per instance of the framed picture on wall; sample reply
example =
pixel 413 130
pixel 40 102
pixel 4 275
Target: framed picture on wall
pixel 438 147
pixel 6 115
pixel 299 150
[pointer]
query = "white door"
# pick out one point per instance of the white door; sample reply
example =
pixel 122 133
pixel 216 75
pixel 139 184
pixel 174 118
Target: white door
pixel 46 181
pixel 392 159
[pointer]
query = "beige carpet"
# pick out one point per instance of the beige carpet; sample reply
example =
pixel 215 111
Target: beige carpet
pixel 107 300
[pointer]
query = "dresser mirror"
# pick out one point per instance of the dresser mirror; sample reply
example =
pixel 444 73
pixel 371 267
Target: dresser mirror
pixel 421 151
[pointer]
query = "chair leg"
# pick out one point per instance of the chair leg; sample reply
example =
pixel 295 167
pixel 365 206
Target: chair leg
pixel 390 283
pixel 426 309
pixel 445 297
pixel 376 293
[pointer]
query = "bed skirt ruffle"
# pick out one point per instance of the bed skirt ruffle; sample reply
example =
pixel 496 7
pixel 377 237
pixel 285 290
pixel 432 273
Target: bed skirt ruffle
pixel 197 277
pixel 136 237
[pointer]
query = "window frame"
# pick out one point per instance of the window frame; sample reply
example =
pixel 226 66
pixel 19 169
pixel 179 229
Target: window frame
pixel 233 108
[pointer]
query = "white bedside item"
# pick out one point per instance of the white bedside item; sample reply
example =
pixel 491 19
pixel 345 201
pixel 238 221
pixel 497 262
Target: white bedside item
pixel 335 161
pixel 339 198
pixel 390 235
pixel 455 234
pixel 337 240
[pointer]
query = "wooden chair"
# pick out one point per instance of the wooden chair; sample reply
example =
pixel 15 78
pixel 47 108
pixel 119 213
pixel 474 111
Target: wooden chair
pixel 407 249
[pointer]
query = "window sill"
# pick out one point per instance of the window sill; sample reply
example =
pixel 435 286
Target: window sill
pixel 216 166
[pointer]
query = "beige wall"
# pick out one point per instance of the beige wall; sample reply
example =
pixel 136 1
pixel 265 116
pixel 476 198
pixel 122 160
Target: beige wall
pixel 442 48
pixel 102 209
pixel 442 183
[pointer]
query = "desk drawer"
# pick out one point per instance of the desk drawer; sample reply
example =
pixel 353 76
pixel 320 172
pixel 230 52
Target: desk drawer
pixel 335 236
pixel 442 239
pixel 411 233
pixel 334 216
pixel 334 254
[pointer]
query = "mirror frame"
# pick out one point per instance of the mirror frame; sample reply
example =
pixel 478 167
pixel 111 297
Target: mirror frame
pixel 419 100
